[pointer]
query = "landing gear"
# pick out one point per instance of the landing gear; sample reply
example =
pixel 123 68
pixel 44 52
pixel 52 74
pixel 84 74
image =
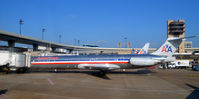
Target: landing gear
pixel 22 70
pixel 103 72
pixel 5 69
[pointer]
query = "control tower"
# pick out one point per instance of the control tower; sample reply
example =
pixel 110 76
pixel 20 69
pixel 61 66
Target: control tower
pixel 176 29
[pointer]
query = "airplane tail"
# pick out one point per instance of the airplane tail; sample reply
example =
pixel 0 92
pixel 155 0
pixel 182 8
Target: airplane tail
pixel 144 50
pixel 135 52
pixel 169 47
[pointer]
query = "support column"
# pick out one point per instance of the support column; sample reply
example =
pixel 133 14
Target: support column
pixel 70 50
pixel 11 43
pixel 48 47
pixel 35 47
pixel 53 49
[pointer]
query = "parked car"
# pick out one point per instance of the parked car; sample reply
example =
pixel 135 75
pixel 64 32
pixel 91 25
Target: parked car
pixel 195 67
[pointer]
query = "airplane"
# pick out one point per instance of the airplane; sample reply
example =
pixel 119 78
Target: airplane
pixel 135 52
pixel 105 63
pixel 144 50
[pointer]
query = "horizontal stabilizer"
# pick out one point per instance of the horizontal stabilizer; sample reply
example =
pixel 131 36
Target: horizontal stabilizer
pixel 170 46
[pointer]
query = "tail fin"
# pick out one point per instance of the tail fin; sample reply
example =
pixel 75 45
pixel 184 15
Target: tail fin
pixel 169 47
pixel 135 52
pixel 144 50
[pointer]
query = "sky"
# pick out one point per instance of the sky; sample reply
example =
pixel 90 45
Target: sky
pixel 100 22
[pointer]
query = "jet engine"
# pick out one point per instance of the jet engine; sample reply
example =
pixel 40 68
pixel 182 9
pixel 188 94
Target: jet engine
pixel 143 61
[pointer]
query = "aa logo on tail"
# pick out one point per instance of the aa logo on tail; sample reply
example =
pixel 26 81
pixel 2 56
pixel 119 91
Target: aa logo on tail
pixel 135 52
pixel 142 51
pixel 166 48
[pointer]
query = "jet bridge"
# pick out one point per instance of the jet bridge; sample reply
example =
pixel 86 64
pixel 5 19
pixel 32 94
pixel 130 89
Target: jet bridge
pixel 12 61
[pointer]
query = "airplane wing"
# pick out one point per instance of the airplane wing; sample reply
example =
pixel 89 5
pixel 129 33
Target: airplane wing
pixel 99 66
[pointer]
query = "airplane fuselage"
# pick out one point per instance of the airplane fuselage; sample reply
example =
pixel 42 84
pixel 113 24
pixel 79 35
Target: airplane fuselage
pixel 98 62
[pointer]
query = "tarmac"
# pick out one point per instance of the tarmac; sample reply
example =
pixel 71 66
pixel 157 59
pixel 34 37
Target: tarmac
pixel 83 84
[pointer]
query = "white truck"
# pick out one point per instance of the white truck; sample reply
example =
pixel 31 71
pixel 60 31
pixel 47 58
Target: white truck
pixel 12 61
pixel 179 64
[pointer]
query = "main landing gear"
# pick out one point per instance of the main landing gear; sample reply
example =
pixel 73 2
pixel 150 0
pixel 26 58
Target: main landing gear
pixel 103 72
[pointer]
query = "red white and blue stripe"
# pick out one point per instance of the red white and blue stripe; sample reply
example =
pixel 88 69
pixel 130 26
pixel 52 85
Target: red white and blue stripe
pixel 51 61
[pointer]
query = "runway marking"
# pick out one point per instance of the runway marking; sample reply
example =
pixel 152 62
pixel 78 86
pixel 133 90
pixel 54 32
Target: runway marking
pixel 50 81
pixel 4 95
pixel 193 75
pixel 56 96
pixel 182 91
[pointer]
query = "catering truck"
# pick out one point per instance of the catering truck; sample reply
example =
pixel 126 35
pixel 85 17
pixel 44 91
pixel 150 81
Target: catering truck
pixel 179 64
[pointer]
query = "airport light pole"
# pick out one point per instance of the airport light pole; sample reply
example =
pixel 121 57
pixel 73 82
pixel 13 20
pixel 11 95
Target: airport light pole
pixel 125 38
pixel 43 30
pixel 75 41
pixel 20 23
pixel 78 42
pixel 59 38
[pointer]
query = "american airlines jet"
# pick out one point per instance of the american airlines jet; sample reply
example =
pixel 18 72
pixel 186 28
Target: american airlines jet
pixel 105 63
pixel 144 50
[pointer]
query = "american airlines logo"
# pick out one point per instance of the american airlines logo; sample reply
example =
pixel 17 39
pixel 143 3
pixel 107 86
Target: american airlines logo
pixel 136 51
pixel 142 51
pixel 166 48
pixel 41 58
